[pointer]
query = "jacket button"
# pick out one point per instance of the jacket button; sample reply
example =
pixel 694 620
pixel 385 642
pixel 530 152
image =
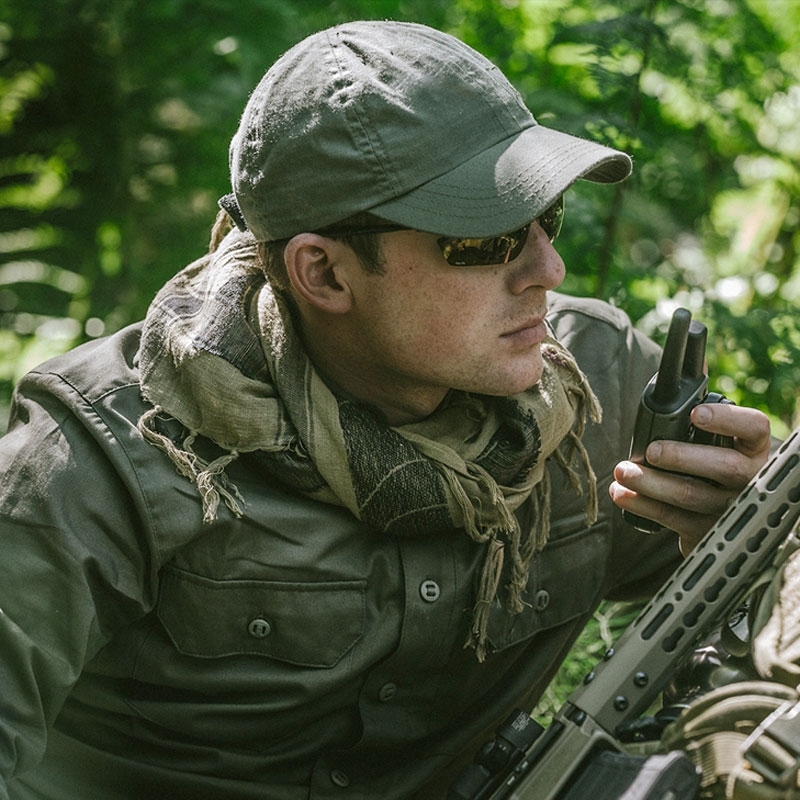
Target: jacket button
pixel 429 591
pixel 542 600
pixel 340 778
pixel 387 692
pixel 259 628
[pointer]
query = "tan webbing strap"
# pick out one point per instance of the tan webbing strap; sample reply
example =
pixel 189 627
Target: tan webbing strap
pixel 771 752
pixel 713 732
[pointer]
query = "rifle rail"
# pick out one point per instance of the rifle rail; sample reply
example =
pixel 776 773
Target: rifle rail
pixel 706 588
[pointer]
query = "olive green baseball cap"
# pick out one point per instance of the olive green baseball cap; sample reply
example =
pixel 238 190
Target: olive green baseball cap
pixel 406 122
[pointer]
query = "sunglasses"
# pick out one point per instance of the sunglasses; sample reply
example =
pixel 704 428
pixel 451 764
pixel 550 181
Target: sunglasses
pixel 476 252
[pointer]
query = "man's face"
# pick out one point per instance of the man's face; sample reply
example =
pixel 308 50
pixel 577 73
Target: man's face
pixel 424 326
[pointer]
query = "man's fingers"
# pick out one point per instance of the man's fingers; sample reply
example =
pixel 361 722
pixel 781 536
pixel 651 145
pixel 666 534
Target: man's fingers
pixel 728 467
pixel 686 487
pixel 720 465
pixel 689 525
pixel 639 484
pixel 748 427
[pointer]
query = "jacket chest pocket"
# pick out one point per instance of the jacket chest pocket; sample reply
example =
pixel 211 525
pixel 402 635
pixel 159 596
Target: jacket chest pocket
pixel 309 624
pixel 565 583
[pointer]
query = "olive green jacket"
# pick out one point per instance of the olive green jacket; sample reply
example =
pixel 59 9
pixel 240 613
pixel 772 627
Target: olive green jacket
pixel 289 654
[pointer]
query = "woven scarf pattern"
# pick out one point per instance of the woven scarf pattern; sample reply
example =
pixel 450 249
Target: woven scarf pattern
pixel 221 355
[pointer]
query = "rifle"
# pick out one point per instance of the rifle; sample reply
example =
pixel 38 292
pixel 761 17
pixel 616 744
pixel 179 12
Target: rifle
pixel 527 762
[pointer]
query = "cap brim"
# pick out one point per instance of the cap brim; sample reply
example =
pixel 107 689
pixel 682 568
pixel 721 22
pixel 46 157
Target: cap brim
pixel 507 185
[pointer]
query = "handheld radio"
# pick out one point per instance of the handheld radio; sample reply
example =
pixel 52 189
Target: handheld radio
pixel 680 384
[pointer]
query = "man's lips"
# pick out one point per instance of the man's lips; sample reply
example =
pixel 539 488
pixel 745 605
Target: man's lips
pixel 531 331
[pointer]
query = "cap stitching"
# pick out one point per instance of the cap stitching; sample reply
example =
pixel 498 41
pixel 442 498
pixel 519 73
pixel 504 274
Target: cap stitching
pixel 358 130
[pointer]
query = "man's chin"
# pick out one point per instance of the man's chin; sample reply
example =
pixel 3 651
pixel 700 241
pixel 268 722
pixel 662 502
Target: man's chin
pixel 516 387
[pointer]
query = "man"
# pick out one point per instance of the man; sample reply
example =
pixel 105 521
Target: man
pixel 321 523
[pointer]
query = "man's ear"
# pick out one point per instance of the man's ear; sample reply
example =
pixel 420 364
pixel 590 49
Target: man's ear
pixel 314 266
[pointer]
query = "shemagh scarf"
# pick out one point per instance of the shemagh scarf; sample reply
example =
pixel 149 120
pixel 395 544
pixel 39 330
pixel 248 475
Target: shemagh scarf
pixel 221 355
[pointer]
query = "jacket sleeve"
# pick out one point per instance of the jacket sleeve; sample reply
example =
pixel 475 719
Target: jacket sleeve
pixel 72 568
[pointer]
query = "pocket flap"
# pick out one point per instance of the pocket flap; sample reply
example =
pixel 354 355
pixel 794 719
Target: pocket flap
pixel 309 624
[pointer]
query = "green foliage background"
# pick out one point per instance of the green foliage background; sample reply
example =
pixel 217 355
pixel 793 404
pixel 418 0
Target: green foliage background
pixel 115 118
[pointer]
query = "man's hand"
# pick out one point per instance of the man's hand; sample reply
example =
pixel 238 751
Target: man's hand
pixel 691 502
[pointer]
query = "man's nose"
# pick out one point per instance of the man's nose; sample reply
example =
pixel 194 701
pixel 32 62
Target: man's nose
pixel 539 264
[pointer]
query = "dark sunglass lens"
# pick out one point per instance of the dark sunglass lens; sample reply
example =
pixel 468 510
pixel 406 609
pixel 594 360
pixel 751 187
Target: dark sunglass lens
pixel 552 219
pixel 483 252
pixel 516 241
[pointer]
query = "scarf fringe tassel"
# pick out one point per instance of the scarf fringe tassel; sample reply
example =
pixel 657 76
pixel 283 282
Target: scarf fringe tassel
pixel 506 534
pixel 209 476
